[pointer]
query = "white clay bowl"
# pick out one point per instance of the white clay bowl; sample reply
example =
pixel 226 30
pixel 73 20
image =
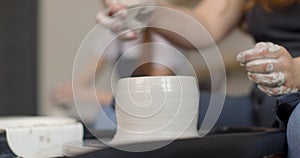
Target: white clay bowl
pixel 156 108
pixel 39 137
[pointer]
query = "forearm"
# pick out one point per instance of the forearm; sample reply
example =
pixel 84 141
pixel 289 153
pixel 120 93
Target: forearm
pixel 168 24
pixel 90 71
pixel 215 17
pixel 104 97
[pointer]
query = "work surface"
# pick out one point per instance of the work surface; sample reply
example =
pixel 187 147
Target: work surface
pixel 240 143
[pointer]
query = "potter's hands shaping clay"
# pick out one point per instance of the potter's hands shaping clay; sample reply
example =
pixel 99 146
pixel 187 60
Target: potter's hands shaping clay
pixel 122 20
pixel 271 67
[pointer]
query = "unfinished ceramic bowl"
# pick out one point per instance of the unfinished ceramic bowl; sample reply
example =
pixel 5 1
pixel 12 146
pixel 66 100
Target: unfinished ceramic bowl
pixel 156 108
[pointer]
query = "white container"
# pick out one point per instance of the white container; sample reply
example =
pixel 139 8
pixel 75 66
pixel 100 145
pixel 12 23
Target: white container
pixel 156 108
pixel 40 137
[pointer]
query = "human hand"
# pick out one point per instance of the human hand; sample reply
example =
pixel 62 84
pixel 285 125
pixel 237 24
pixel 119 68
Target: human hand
pixel 271 67
pixel 127 23
pixel 62 95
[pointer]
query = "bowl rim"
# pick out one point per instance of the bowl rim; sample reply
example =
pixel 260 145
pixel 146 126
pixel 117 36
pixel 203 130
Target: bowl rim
pixel 157 77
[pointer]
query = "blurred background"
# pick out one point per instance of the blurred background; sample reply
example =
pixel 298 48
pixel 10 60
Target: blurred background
pixel 38 43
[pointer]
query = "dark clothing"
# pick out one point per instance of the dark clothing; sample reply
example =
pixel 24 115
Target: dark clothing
pixel 236 112
pixel 285 106
pixel 281 26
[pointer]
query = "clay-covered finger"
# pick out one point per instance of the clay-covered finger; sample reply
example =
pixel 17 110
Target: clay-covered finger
pixel 262 65
pixel 272 91
pixel 251 54
pixel 128 35
pixel 272 48
pixel 113 24
pixel 112 3
pixel 265 51
pixel 122 14
pixel 117 8
pixel 274 79
pixel 263 44
pixel 277 91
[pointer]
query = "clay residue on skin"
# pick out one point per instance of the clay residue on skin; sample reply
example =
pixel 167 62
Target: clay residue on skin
pixel 272 79
pixel 241 56
pixel 262 44
pixel 130 3
pixel 258 48
pixel 261 71
pixel 268 62
pixel 277 91
pixel 270 67
pixel 274 48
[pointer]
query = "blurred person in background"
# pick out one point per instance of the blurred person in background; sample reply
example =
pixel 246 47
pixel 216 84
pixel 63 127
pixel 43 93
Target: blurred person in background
pixel 131 58
pixel 271 64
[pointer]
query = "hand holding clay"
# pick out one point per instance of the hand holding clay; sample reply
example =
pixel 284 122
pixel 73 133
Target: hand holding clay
pixel 271 67
pixel 124 19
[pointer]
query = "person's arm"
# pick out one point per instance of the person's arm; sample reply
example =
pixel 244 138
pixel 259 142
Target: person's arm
pixel 86 76
pixel 91 65
pixel 104 97
pixel 63 94
pixel 217 16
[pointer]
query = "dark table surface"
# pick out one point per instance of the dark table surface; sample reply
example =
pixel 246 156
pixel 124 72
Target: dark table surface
pixel 220 143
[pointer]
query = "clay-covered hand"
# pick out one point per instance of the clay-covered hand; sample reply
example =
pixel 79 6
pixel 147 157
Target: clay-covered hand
pixel 271 67
pixel 125 21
